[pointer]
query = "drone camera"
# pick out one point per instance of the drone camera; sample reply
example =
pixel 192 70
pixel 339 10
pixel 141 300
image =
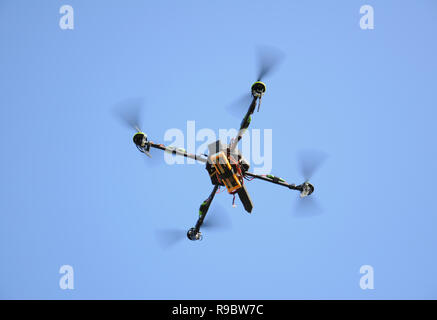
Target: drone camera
pixel 258 89
pixel 193 235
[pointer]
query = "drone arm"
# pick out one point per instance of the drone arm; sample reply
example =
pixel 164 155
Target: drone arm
pixel 245 123
pixel 275 180
pixel 204 209
pixel 178 151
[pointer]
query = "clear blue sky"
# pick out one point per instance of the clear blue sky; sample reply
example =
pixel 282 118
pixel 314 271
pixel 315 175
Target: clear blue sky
pixel 74 189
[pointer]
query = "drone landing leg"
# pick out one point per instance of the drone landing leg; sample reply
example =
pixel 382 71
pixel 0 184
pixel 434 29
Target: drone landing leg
pixel 194 233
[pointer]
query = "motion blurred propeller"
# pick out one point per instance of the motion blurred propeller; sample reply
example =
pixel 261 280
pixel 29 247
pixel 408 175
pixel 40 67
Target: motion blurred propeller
pixel 132 114
pixel 217 219
pixel 309 162
pixel 267 60
pixel 129 112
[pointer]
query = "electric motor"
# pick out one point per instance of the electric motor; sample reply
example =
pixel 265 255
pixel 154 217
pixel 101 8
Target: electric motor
pixel 193 235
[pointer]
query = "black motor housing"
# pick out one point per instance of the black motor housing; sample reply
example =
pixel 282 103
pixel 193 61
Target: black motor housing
pixel 258 89
pixel 140 139
pixel 193 235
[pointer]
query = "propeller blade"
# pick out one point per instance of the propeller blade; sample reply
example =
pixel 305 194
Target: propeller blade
pixel 167 238
pixel 307 207
pixel 239 106
pixel 129 112
pixel 310 161
pixel 156 160
pixel 217 219
pixel 268 59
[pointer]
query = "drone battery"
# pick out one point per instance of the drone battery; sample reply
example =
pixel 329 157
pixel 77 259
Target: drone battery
pixel 224 170
pixel 245 199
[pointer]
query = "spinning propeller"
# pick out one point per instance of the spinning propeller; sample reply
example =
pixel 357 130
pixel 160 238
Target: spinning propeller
pixel 309 162
pixel 129 112
pixel 268 59
pixel 217 219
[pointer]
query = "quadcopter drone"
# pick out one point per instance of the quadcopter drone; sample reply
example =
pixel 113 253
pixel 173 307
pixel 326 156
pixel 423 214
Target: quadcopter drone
pixel 224 163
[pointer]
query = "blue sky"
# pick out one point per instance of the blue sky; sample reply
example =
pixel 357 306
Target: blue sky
pixel 75 191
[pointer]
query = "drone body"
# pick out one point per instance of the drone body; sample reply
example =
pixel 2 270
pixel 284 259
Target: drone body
pixel 225 165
